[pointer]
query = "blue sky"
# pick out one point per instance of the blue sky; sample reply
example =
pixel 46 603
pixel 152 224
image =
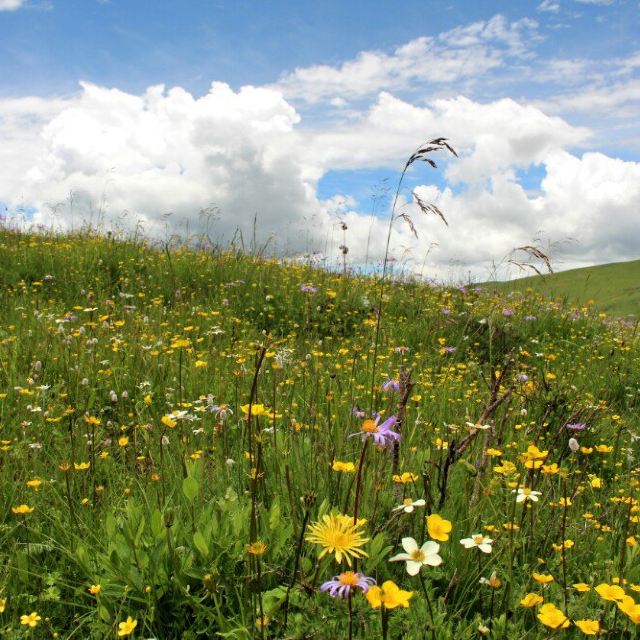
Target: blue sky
pixel 49 45
pixel 541 98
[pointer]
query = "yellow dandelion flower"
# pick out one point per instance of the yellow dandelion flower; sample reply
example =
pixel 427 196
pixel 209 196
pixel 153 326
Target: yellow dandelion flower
pixel 338 535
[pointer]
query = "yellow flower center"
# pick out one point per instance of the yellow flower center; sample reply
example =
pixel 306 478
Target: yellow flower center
pixel 348 578
pixel 478 539
pixel 417 555
pixel 407 501
pixel 339 540
pixel 369 426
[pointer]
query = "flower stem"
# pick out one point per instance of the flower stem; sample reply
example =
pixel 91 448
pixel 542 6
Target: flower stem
pixel 385 621
pixel 356 501
pixel 426 597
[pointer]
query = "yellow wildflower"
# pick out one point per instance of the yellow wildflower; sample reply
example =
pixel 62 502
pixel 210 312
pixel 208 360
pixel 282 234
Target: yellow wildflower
pixel 389 595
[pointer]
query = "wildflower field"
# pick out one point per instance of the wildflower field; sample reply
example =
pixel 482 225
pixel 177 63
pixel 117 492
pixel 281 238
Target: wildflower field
pixel 196 443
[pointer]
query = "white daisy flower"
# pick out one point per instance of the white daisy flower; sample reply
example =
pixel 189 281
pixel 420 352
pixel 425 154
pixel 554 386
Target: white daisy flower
pixel 526 493
pixel 408 505
pixel 479 541
pixel 416 557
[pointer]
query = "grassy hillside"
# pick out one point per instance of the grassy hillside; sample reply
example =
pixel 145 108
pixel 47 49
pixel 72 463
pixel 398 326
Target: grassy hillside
pixel 194 443
pixel 614 288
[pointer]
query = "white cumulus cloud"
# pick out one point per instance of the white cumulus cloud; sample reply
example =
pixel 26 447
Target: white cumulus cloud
pixel 10 5
pixel 465 52
pixel 160 158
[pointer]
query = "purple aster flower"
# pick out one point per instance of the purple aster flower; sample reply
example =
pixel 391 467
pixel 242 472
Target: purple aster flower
pixel 381 433
pixel 391 385
pixel 450 349
pixel 341 586
pixel 530 318
pixel 507 312
pixel 576 426
pixel 358 413
pixel 522 377
pixel 308 288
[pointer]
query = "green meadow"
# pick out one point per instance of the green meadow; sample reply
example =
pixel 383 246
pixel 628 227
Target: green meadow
pixel 614 288
pixel 199 443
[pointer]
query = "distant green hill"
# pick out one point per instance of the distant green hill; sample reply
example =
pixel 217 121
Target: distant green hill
pixel 614 287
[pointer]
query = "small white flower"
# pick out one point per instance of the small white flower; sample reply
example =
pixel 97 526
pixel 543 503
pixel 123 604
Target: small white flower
pixel 479 541
pixel 573 444
pixel 408 505
pixel 478 427
pixel 417 557
pixel 526 493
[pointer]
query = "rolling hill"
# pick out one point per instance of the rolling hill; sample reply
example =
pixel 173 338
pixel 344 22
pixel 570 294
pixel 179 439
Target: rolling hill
pixel 614 287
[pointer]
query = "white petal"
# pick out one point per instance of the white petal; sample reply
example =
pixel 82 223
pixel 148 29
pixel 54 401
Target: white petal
pixel 400 557
pixel 485 548
pixel 419 503
pixel 433 560
pixel 468 543
pixel 430 547
pixel 413 568
pixel 409 545
pixel 408 508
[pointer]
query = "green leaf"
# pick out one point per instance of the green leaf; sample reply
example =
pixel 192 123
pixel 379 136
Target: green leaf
pixel 274 515
pixel 110 525
pixel 201 544
pixel 156 524
pixel 190 488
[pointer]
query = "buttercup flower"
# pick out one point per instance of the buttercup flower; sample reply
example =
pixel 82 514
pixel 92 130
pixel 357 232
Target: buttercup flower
pixel 438 528
pixel 588 627
pixel 126 628
pixel 542 578
pixel 531 600
pixel 31 620
pixel 22 510
pixel 389 595
pixel 552 617
pixel 610 591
